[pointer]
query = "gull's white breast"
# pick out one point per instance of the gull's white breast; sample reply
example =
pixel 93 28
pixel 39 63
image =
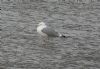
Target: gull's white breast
pixel 39 30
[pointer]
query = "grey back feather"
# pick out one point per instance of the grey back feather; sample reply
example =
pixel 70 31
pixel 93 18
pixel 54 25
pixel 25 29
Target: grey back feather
pixel 50 32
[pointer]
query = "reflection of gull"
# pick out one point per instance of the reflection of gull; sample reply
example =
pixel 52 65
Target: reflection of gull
pixel 44 30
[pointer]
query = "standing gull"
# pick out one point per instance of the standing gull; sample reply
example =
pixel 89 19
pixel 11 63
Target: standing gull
pixel 45 30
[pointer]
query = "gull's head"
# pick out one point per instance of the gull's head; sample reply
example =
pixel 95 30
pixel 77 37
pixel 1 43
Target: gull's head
pixel 41 23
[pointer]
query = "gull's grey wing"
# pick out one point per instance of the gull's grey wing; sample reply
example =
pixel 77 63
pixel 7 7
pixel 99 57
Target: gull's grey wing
pixel 50 32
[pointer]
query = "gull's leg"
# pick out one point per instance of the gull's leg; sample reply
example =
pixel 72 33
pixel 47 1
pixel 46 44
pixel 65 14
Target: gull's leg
pixel 43 40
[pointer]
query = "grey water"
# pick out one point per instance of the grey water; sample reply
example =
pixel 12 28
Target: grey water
pixel 22 48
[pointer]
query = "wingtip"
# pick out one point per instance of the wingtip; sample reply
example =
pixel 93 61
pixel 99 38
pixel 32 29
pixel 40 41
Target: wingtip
pixel 63 36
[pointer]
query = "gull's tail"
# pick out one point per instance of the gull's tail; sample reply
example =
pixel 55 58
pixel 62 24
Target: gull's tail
pixel 64 36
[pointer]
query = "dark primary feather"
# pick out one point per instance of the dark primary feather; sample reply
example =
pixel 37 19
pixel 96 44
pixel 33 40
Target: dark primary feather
pixel 50 32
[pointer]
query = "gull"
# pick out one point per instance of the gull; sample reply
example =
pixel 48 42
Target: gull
pixel 47 31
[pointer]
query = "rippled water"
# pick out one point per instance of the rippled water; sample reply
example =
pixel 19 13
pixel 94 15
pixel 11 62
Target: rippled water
pixel 22 48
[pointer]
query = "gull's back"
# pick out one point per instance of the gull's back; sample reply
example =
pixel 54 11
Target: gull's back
pixel 50 32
